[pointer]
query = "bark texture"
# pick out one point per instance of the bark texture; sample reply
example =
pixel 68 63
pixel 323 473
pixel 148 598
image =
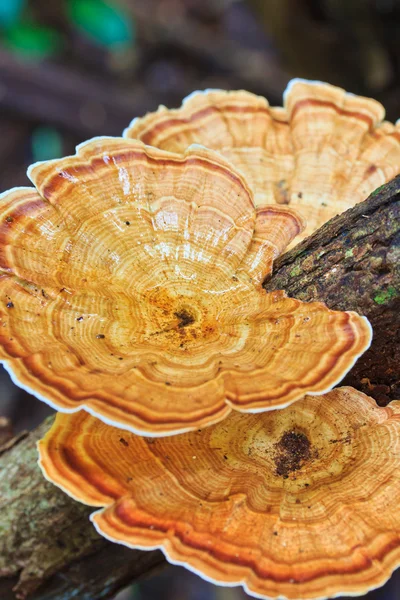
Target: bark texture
pixel 48 548
pixel 353 263
pixel 47 541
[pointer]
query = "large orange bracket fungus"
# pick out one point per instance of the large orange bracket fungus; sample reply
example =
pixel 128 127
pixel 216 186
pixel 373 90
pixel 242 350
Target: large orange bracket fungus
pixel 322 153
pixel 295 503
pixel 130 286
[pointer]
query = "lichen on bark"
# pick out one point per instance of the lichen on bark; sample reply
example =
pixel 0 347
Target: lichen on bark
pixel 353 263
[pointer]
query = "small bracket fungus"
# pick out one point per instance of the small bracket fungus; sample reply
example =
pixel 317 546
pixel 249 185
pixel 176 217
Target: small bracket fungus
pixel 161 326
pixel 294 503
pixel 322 153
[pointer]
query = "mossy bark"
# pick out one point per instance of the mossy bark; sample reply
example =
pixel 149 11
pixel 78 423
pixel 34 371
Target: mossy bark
pixel 48 548
pixel 353 263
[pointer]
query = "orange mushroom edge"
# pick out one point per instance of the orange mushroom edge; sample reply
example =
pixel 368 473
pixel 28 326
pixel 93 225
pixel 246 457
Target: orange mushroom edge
pixel 300 503
pixel 130 286
pixel 322 153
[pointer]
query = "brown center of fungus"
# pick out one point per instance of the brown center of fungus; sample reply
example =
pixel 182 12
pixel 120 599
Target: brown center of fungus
pixel 292 450
pixel 175 319
pixel 163 326
pixel 219 510
pixel 185 318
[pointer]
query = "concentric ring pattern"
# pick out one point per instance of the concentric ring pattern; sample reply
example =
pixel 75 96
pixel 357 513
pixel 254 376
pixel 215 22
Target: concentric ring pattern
pixel 322 153
pixel 130 286
pixel 299 503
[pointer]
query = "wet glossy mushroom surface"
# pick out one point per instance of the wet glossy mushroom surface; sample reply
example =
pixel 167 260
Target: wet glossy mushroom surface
pixel 130 286
pixel 295 503
pixel 322 153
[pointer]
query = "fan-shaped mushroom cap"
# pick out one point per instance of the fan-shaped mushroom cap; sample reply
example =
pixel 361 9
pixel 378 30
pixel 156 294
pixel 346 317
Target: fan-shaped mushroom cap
pixel 321 154
pixel 295 503
pixel 130 287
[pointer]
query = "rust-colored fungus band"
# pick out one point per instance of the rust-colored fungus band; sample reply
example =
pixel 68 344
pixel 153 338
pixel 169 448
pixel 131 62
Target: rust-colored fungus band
pixel 322 153
pixel 296 503
pixel 130 286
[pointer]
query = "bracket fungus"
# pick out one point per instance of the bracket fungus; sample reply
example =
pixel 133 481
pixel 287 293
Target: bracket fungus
pixel 130 286
pixel 322 153
pixel 294 503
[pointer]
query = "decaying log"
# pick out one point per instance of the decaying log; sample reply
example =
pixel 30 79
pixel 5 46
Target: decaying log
pixel 48 548
pixel 46 537
pixel 353 263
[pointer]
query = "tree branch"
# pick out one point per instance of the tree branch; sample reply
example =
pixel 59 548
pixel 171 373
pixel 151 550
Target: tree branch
pixel 353 263
pixel 48 548
pixel 46 538
pixel 56 94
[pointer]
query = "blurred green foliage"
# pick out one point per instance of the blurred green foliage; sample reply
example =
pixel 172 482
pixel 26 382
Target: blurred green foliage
pixel 46 143
pixel 103 22
pixel 10 11
pixel 32 41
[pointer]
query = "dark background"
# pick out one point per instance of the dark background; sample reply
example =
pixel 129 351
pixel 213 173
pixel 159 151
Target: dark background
pixel 73 69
